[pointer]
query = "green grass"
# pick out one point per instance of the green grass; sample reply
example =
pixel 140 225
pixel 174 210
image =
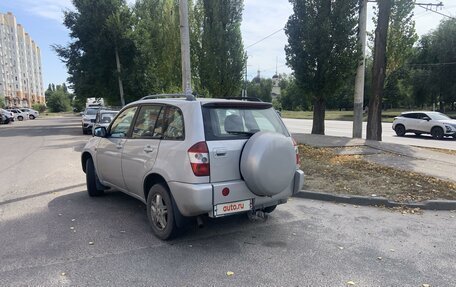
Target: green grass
pixel 387 116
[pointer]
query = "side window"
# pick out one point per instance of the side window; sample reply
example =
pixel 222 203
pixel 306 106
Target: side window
pixel 122 123
pixel 146 122
pixel 173 124
pixel 422 116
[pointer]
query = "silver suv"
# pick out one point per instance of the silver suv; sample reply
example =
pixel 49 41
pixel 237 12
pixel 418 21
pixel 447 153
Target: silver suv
pixel 191 157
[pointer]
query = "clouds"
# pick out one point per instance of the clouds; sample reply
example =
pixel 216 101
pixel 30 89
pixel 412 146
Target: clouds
pixel 49 9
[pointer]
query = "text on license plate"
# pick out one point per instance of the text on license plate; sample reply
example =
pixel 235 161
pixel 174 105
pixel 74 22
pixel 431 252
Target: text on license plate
pixel 232 207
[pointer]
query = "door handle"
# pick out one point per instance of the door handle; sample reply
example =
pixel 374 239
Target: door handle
pixel 220 152
pixel 148 149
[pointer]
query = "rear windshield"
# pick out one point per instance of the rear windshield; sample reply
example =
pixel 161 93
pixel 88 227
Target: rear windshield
pixel 91 111
pixel 228 123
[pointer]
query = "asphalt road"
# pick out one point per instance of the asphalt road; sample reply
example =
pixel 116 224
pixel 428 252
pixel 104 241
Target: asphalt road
pixel 345 129
pixel 47 221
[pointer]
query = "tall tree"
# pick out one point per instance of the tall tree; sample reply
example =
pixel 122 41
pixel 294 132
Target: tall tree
pixel 156 35
pixel 221 54
pixel 374 117
pixel 322 50
pixel 91 56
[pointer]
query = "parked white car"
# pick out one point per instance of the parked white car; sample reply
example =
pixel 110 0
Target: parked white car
pixel 33 114
pixel 423 122
pixel 19 115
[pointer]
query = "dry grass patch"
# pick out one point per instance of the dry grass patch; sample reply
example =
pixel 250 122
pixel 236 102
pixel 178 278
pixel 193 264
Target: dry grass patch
pixel 350 174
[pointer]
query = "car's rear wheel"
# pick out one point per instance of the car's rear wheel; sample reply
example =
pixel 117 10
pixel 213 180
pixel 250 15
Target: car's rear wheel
pixel 161 213
pixel 91 179
pixel 437 133
pixel 32 117
pixel 20 118
pixel 400 130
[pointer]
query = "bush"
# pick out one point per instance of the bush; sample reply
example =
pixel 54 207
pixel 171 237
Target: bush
pixel 39 107
pixel 57 101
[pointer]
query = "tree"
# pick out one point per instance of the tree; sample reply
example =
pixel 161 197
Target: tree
pixel 156 36
pixel 220 57
pixel 374 117
pixel 322 50
pixel 91 56
pixel 291 95
pixel 260 88
pixel 2 101
pixel 58 98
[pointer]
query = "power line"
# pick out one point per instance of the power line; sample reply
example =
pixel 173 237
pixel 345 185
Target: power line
pixel 427 9
pixel 264 38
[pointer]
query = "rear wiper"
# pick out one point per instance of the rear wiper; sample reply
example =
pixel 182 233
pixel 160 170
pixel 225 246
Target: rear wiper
pixel 241 133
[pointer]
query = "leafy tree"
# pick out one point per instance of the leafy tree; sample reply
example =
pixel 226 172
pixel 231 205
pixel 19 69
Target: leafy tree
pixel 91 56
pixel 58 99
pixel 157 38
pixel 322 50
pixel 39 107
pixel 2 101
pixel 291 95
pixel 260 88
pixel 221 56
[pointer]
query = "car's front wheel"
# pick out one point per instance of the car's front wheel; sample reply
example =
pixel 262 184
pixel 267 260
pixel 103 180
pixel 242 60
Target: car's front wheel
pixel 91 179
pixel 20 118
pixel 32 117
pixel 400 130
pixel 437 133
pixel 161 213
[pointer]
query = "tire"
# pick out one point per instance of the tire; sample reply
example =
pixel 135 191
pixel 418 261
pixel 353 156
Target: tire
pixel 437 133
pixel 91 179
pixel 161 212
pixel 20 118
pixel 32 117
pixel 84 131
pixel 454 136
pixel 400 130
pixel 269 209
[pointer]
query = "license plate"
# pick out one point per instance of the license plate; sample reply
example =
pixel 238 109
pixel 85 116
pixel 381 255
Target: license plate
pixel 232 207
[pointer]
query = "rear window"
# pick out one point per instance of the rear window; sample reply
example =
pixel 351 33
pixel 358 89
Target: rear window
pixel 228 123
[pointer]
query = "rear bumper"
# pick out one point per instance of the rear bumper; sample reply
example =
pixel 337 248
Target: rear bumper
pixel 198 199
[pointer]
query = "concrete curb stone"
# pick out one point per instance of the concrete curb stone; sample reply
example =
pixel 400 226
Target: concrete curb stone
pixel 377 201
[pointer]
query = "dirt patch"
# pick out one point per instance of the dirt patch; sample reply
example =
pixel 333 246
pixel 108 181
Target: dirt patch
pixel 329 171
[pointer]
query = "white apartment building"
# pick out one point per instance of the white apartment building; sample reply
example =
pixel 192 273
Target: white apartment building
pixel 21 80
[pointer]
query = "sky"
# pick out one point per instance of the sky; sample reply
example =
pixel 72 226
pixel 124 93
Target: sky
pixel 43 21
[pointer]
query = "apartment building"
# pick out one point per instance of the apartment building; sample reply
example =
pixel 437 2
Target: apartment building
pixel 21 80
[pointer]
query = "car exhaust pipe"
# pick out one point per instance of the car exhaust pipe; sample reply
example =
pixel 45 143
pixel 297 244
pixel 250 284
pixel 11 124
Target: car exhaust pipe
pixel 199 222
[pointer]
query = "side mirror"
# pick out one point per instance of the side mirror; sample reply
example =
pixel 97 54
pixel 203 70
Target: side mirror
pixel 100 132
pixel 427 118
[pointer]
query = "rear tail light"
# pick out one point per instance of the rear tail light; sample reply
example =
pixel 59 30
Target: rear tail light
pixel 298 159
pixel 199 159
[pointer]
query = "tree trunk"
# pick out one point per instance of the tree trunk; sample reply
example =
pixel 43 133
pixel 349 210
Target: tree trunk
pixel 318 124
pixel 122 100
pixel 374 119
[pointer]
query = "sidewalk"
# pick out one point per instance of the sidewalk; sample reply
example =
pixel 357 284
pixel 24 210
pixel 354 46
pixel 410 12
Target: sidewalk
pixel 409 158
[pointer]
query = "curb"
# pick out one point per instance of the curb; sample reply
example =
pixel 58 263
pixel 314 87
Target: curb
pixel 377 201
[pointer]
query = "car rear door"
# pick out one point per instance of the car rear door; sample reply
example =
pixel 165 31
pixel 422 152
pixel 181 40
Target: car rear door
pixel 422 124
pixel 109 149
pixel 140 150
pixel 227 128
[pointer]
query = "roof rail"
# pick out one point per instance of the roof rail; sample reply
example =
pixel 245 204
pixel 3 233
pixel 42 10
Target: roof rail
pixel 250 99
pixel 189 97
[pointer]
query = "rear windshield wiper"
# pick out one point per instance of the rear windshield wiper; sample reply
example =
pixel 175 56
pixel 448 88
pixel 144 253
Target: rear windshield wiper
pixel 242 133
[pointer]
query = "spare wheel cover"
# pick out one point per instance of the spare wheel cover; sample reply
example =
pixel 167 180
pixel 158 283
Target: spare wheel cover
pixel 268 163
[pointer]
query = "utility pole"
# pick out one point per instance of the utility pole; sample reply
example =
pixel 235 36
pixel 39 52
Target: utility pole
pixel 360 72
pixel 185 47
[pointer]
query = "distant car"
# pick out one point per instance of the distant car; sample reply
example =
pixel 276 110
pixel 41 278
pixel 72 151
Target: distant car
pixel 423 122
pixel 33 114
pixel 104 118
pixel 88 118
pixel 19 115
pixel 4 119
